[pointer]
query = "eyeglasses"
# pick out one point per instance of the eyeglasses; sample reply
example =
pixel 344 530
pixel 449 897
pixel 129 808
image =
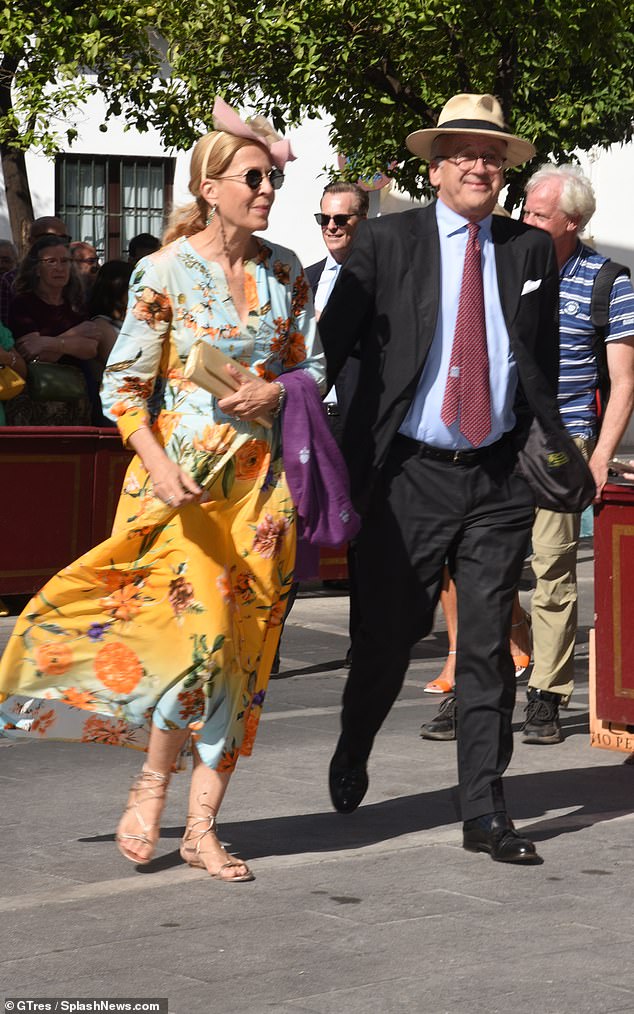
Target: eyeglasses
pixel 339 220
pixel 52 261
pixel 253 178
pixel 86 260
pixel 468 160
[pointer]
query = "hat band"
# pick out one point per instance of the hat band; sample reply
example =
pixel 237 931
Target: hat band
pixel 471 125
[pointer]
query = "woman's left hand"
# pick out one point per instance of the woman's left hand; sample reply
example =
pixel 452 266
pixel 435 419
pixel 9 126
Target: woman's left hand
pixel 254 399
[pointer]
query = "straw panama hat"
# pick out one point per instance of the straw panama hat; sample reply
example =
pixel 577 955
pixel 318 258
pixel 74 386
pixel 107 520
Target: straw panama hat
pixel 471 114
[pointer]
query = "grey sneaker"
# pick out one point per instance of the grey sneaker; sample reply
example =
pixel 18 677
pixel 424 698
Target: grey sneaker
pixel 443 726
pixel 542 723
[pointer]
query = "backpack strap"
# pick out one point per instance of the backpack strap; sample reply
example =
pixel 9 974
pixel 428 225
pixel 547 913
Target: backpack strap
pixel 600 317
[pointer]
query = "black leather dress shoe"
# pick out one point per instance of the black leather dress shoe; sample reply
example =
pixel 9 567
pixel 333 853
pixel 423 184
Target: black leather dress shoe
pixel 494 833
pixel 348 785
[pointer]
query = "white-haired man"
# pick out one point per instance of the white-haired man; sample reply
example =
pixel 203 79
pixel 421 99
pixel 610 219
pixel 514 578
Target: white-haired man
pixel 560 200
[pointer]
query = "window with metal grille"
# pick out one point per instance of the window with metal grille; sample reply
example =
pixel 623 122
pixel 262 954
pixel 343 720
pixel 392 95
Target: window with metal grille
pixel 108 200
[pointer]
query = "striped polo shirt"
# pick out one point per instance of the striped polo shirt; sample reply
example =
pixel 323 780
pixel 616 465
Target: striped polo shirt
pixel 578 375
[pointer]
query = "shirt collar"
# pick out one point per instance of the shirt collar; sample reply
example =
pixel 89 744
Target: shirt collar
pixel 572 264
pixel 450 222
pixel 331 264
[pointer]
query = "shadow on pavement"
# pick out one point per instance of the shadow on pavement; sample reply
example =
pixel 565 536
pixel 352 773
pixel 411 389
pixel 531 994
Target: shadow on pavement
pixel 596 794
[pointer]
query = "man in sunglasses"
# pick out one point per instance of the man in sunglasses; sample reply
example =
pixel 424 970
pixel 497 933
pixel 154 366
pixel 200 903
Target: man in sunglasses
pixel 343 206
pixel 45 226
pixel 454 311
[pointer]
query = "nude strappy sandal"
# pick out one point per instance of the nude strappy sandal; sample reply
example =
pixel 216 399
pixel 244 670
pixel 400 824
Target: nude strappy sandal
pixel 147 785
pixel 192 851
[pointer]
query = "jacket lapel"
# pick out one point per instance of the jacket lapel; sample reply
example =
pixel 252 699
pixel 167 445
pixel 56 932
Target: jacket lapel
pixel 425 280
pixel 510 269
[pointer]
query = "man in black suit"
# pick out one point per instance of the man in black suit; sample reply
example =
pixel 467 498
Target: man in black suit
pixel 455 315
pixel 343 206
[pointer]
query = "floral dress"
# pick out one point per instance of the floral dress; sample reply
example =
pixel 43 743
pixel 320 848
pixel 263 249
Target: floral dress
pixel 175 619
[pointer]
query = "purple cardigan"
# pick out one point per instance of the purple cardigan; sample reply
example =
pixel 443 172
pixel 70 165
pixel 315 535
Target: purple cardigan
pixel 315 470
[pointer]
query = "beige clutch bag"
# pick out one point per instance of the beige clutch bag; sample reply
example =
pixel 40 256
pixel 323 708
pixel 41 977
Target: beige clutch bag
pixel 205 366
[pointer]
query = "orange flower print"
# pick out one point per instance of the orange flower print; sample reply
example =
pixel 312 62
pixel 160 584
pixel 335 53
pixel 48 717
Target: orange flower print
pixel 251 292
pixel 263 253
pixel 43 722
pixel 251 728
pixel 119 408
pixel 294 351
pixel 53 659
pixel 269 536
pixel 152 307
pixel 215 439
pixel 244 585
pixel 277 613
pixel 252 459
pixel 123 604
pixel 115 579
pixel 118 667
pixel 181 595
pixel 300 294
pixel 192 703
pixel 228 761
pixel 136 387
pixel 282 272
pixel 282 325
pixel 110 732
pixel 83 699
pixel 166 424
pixel 177 380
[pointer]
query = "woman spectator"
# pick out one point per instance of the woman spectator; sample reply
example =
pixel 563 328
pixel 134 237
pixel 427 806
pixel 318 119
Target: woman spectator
pixel 107 303
pixel 166 633
pixel 48 325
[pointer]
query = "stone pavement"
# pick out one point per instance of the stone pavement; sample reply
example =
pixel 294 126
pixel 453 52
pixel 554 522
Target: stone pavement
pixel 381 910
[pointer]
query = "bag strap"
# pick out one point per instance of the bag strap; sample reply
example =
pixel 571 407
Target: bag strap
pixel 600 317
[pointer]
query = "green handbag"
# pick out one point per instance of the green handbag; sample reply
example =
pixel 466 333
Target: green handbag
pixel 55 382
pixel 11 383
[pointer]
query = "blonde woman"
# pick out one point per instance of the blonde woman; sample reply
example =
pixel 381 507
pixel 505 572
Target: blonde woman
pixel 163 637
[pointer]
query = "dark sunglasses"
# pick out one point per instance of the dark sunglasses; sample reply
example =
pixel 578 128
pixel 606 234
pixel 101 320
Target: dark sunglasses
pixel 339 220
pixel 253 178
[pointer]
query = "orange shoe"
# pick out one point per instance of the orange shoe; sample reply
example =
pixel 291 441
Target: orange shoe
pixel 442 684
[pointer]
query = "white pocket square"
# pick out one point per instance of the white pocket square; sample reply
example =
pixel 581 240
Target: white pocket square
pixel 531 284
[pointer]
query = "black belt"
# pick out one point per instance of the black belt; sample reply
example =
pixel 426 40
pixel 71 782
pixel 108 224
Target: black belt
pixel 470 456
pixel 332 408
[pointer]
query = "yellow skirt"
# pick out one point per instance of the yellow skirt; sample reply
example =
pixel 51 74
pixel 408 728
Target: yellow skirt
pixel 174 620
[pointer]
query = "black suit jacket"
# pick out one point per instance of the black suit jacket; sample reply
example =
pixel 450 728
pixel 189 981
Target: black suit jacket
pixel 387 298
pixel 313 274
pixel 348 376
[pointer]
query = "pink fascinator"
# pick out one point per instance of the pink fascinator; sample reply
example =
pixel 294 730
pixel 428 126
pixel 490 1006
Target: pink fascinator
pixel 257 129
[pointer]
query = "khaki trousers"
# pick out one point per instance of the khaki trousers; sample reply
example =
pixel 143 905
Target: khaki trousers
pixel 554 605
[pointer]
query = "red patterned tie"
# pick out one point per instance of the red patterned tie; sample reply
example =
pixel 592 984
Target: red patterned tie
pixel 467 391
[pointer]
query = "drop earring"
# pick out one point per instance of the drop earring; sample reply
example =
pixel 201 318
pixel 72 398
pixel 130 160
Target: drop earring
pixel 211 214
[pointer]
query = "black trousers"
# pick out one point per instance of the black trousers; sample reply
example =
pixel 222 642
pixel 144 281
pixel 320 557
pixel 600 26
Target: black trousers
pixel 424 512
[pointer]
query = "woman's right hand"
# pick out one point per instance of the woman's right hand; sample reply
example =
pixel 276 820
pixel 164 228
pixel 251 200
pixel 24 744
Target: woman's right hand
pixel 171 483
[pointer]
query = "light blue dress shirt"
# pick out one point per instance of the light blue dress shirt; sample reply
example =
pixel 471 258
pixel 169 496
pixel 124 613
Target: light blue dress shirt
pixel 327 280
pixel 423 421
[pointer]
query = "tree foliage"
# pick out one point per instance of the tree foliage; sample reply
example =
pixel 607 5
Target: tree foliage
pixel 562 69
